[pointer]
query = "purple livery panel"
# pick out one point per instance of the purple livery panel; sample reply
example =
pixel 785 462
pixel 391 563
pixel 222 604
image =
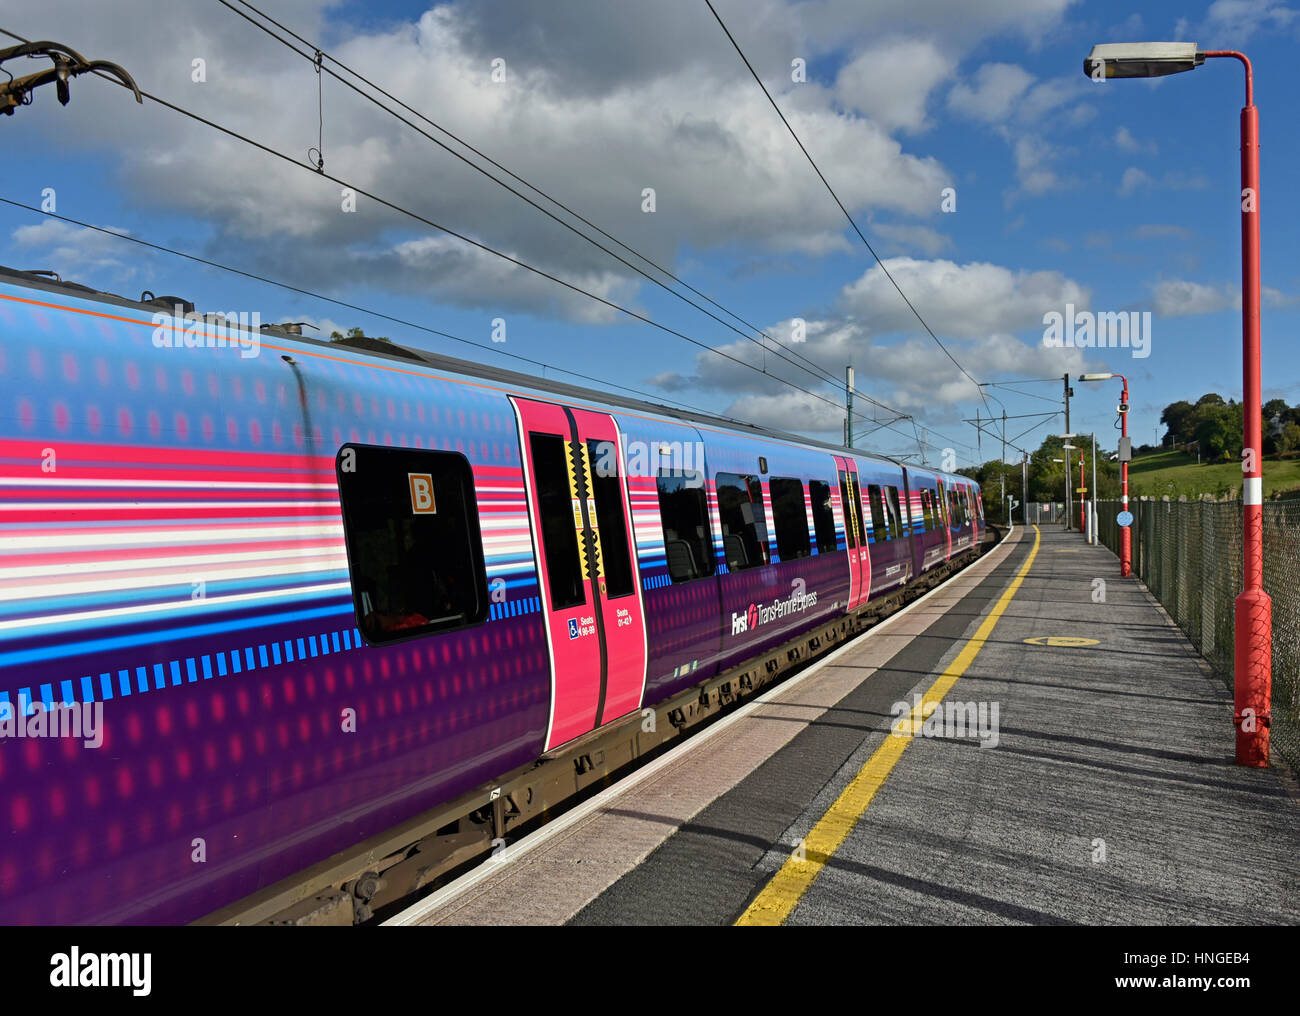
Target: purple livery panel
pixel 173 551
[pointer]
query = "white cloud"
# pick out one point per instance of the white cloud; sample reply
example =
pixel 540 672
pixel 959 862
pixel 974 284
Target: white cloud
pixel 1135 179
pixel 974 300
pixel 1033 156
pixel 74 251
pixel 1126 142
pixel 1235 21
pixel 1183 298
pixel 997 87
pixel 891 81
pixel 976 309
pixel 906 239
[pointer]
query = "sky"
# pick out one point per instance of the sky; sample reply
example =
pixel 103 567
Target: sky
pixel 995 180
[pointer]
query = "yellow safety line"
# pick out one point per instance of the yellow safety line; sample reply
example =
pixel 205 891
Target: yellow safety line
pixel 780 896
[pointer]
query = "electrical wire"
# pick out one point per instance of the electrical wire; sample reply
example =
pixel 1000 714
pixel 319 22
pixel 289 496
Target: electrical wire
pixel 831 191
pixel 816 370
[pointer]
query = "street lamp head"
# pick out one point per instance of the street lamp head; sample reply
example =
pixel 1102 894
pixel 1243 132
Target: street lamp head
pixel 1095 377
pixel 1141 59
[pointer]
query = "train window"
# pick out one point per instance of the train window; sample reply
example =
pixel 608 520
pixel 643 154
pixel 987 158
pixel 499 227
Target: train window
pixel 879 524
pixel 555 509
pixel 688 542
pixel 410 523
pixel 850 512
pixel 744 521
pixel 789 518
pixel 892 511
pixel 607 491
pixel 819 492
pixel 927 509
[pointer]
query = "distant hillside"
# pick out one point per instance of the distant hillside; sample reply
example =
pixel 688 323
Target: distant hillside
pixel 1175 473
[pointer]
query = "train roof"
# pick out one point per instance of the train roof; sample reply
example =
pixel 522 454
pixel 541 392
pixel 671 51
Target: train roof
pixel 455 365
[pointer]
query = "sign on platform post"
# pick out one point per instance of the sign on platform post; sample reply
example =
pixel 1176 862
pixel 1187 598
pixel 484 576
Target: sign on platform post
pixel 1125 519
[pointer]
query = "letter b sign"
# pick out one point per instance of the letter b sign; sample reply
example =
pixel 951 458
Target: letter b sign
pixel 422 493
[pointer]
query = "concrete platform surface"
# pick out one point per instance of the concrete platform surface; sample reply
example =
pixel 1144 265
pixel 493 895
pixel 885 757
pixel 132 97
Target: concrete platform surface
pixel 1104 792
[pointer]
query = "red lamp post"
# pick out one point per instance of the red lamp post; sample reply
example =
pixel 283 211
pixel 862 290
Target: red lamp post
pixel 1253 656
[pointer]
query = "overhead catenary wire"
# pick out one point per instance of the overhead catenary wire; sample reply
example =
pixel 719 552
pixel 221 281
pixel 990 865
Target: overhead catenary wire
pixel 267 149
pixel 317 55
pixel 354 306
pixel 831 190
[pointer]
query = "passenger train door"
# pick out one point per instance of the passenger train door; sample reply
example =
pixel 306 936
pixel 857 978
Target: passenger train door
pixel 855 532
pixel 945 513
pixel 586 562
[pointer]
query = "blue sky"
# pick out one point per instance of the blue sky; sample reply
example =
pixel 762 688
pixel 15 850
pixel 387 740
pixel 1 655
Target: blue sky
pixel 1119 196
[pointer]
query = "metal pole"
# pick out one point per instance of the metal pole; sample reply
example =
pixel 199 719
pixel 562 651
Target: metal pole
pixel 1068 506
pixel 1069 469
pixel 1092 533
pixel 1254 609
pixel 1024 482
pixel 1125 532
pixel 1083 511
pixel 848 407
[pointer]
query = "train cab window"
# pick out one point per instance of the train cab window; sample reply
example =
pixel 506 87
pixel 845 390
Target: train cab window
pixel 893 512
pixel 852 514
pixel 927 509
pixel 410 523
pixel 744 521
pixel 819 492
pixel 688 541
pixel 789 518
pixel 555 509
pixel 607 491
pixel 879 523
pixel 956 516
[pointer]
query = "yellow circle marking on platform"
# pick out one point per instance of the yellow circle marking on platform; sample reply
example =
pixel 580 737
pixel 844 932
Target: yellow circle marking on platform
pixel 1069 641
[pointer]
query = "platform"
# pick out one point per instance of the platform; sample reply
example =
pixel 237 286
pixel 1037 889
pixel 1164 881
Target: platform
pixel 1105 792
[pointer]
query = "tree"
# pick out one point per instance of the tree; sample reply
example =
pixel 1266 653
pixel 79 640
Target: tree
pixel 1177 419
pixel 1289 441
pixel 356 333
pixel 1218 430
pixel 1274 407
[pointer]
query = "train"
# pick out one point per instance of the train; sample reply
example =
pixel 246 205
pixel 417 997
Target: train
pixel 295 592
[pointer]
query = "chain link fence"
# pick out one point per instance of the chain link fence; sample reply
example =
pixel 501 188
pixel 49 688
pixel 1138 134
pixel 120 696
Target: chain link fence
pixel 1189 555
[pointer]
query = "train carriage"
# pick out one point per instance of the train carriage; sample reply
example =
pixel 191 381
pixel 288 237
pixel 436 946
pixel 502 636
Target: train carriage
pixel 316 590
